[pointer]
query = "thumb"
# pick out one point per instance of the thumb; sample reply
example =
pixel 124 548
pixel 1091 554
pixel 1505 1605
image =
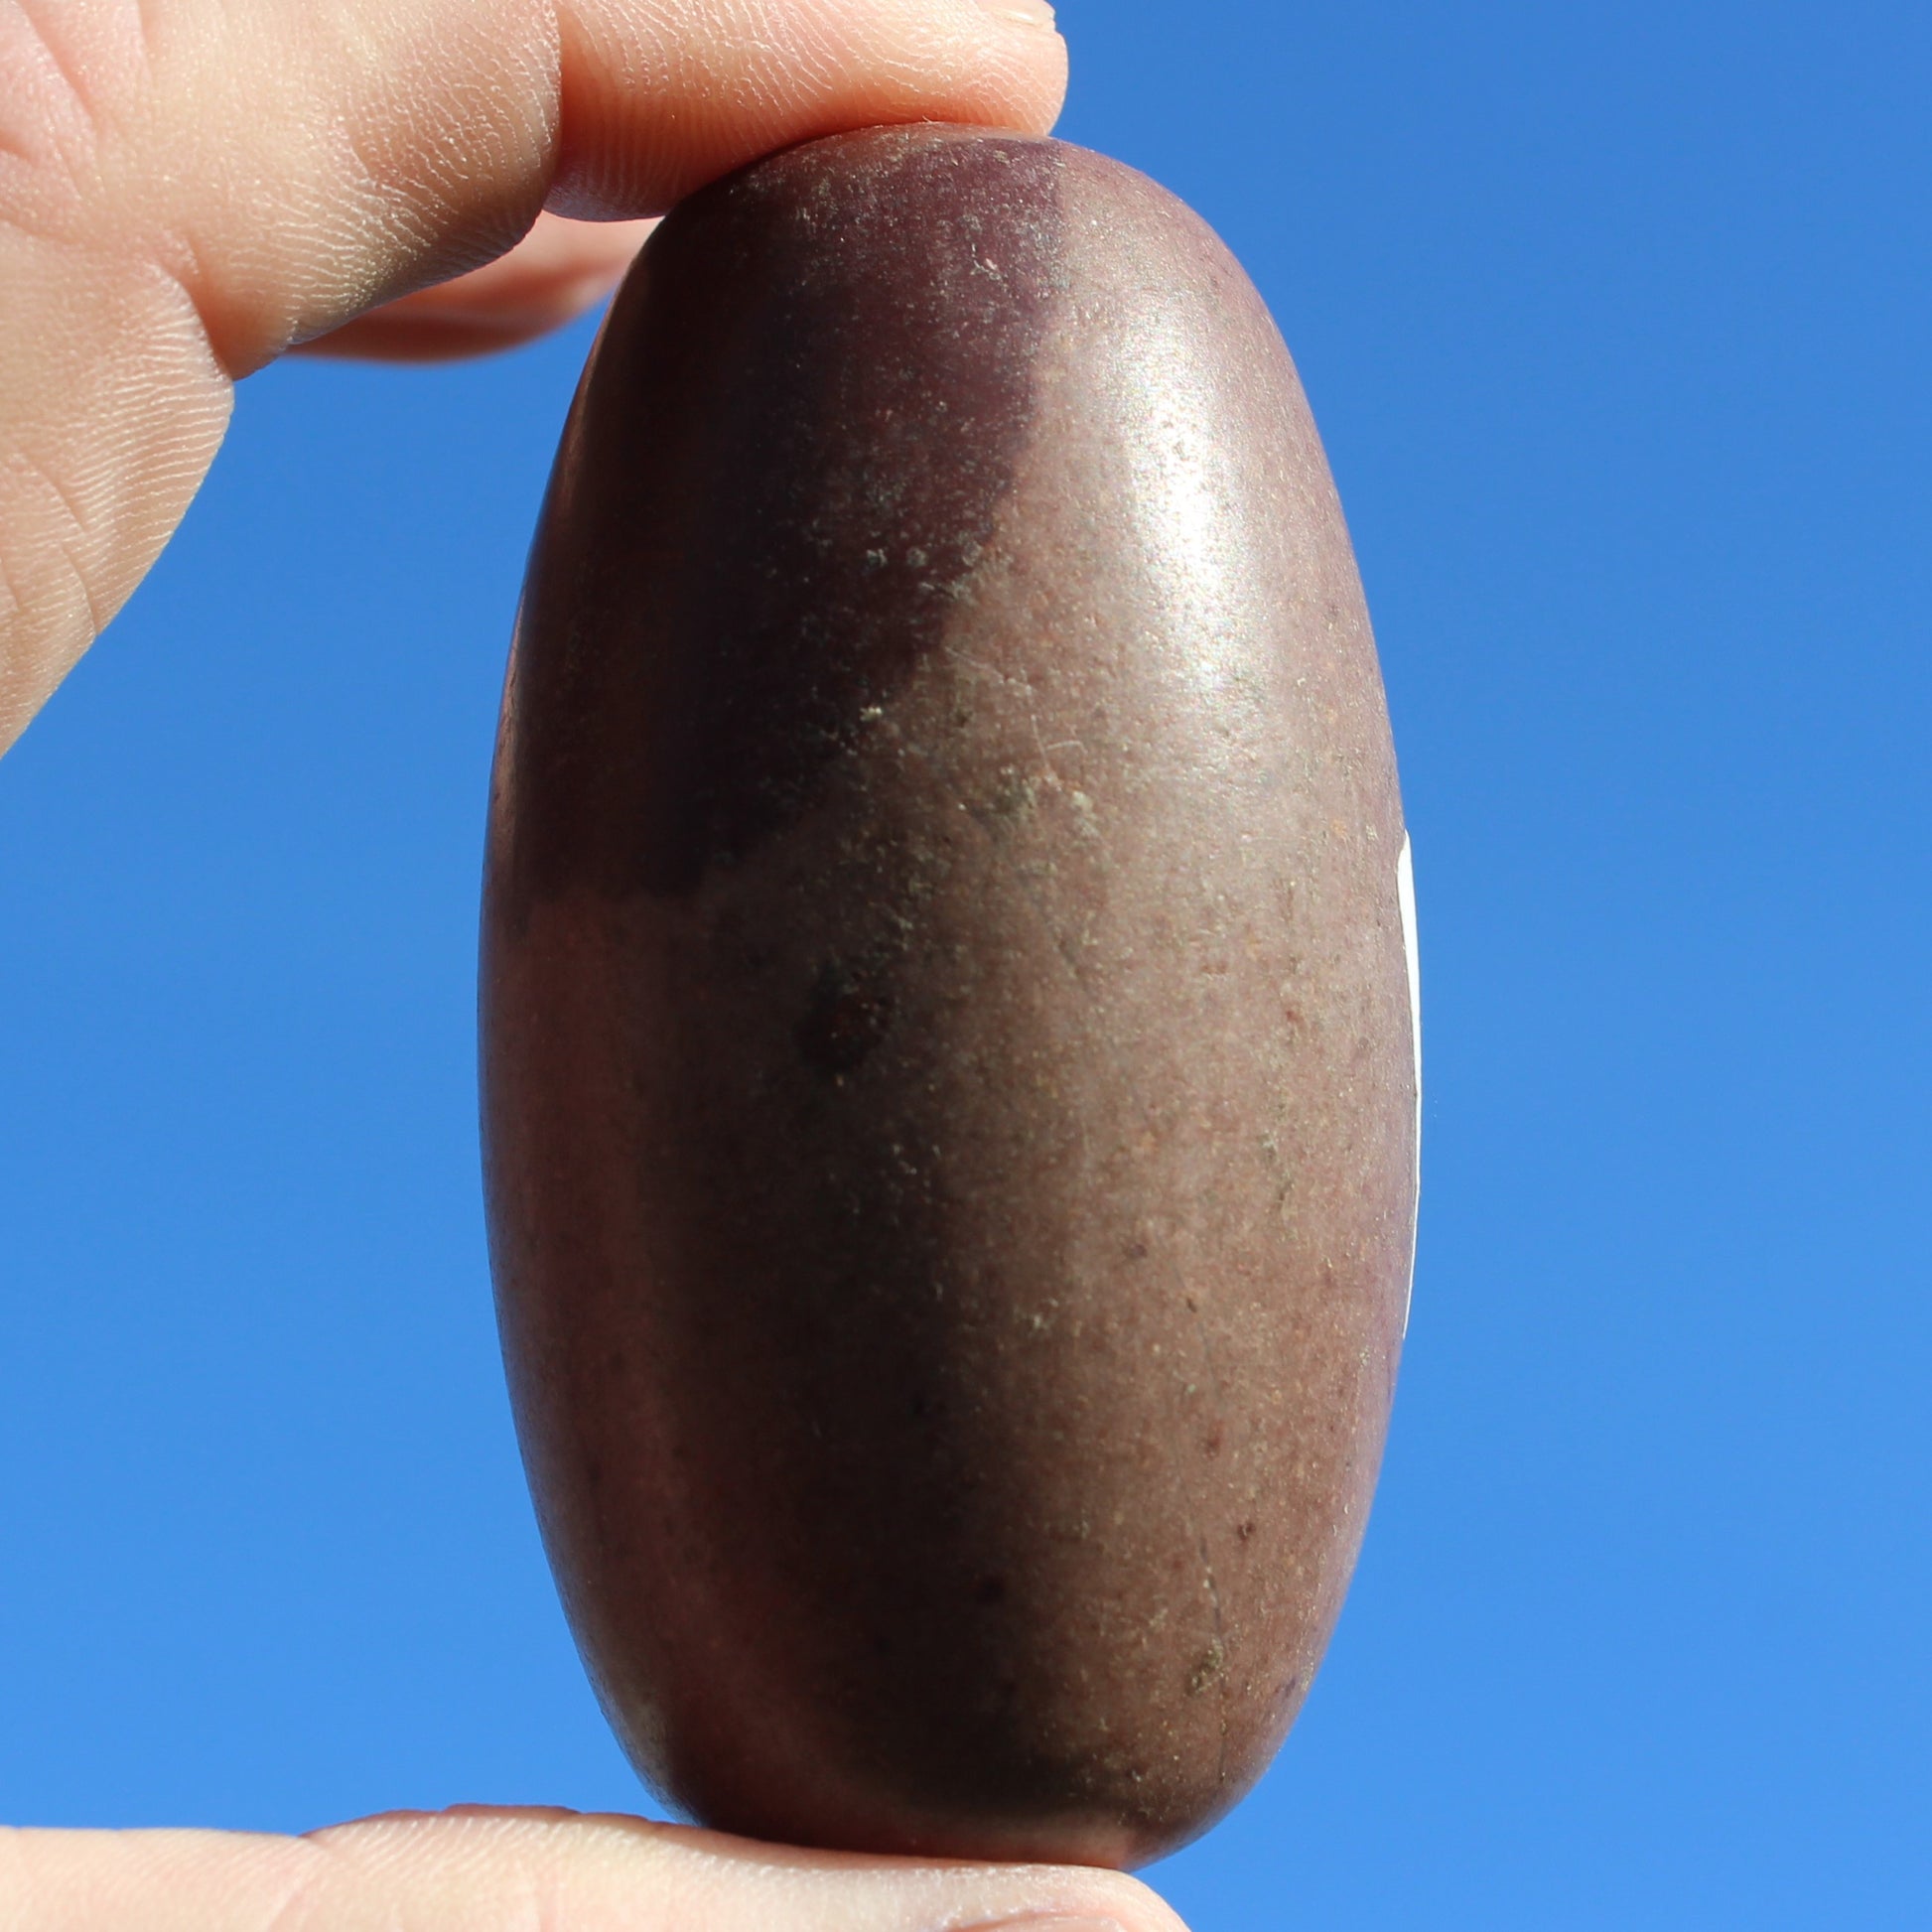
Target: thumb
pixel 511 1871
pixel 188 188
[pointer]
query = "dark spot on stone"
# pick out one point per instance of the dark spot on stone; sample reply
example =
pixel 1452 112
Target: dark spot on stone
pixel 845 1017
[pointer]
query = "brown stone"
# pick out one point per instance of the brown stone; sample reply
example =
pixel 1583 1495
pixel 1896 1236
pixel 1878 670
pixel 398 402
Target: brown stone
pixel 948 1074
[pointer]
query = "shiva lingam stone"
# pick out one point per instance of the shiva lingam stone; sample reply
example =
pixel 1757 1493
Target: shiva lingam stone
pixel 949 1050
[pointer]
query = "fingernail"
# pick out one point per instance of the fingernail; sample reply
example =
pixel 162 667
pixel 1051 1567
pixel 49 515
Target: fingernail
pixel 1032 12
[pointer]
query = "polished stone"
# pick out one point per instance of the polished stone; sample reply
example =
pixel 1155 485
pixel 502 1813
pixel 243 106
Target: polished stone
pixel 949 1087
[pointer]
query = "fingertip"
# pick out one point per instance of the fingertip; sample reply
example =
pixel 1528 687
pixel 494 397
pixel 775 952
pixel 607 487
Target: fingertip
pixel 608 1873
pixel 1032 29
pixel 752 82
pixel 1039 56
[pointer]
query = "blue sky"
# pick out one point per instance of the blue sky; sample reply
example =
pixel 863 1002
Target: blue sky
pixel 1615 320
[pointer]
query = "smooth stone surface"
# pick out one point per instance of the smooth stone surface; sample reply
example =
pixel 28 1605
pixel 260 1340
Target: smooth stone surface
pixel 948 1068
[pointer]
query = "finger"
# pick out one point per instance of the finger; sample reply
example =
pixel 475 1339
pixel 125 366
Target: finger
pixel 557 271
pixel 188 186
pixel 511 1871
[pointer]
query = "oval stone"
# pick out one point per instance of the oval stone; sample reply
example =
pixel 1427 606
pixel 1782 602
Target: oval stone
pixel 949 1069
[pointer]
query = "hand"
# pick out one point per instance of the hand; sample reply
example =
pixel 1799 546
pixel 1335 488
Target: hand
pixel 191 187
pixel 530 1872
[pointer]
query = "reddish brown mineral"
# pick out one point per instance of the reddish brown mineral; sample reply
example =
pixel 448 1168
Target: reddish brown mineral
pixel 948 1071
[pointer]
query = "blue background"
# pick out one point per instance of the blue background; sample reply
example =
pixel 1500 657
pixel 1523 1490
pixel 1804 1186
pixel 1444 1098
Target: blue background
pixel 1615 318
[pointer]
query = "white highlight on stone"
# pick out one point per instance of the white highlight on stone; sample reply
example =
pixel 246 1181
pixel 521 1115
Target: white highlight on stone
pixel 1405 892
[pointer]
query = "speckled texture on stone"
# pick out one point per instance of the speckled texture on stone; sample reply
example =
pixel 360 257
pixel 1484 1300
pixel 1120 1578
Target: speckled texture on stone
pixel 948 1089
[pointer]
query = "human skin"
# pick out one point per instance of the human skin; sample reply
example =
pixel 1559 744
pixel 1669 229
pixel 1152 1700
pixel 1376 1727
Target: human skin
pixel 190 188
pixel 530 1872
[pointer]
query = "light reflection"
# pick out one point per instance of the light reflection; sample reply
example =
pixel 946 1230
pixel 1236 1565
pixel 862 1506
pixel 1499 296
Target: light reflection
pixel 1183 482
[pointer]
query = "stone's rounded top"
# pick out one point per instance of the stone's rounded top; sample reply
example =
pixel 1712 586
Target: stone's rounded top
pixel 949 1084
